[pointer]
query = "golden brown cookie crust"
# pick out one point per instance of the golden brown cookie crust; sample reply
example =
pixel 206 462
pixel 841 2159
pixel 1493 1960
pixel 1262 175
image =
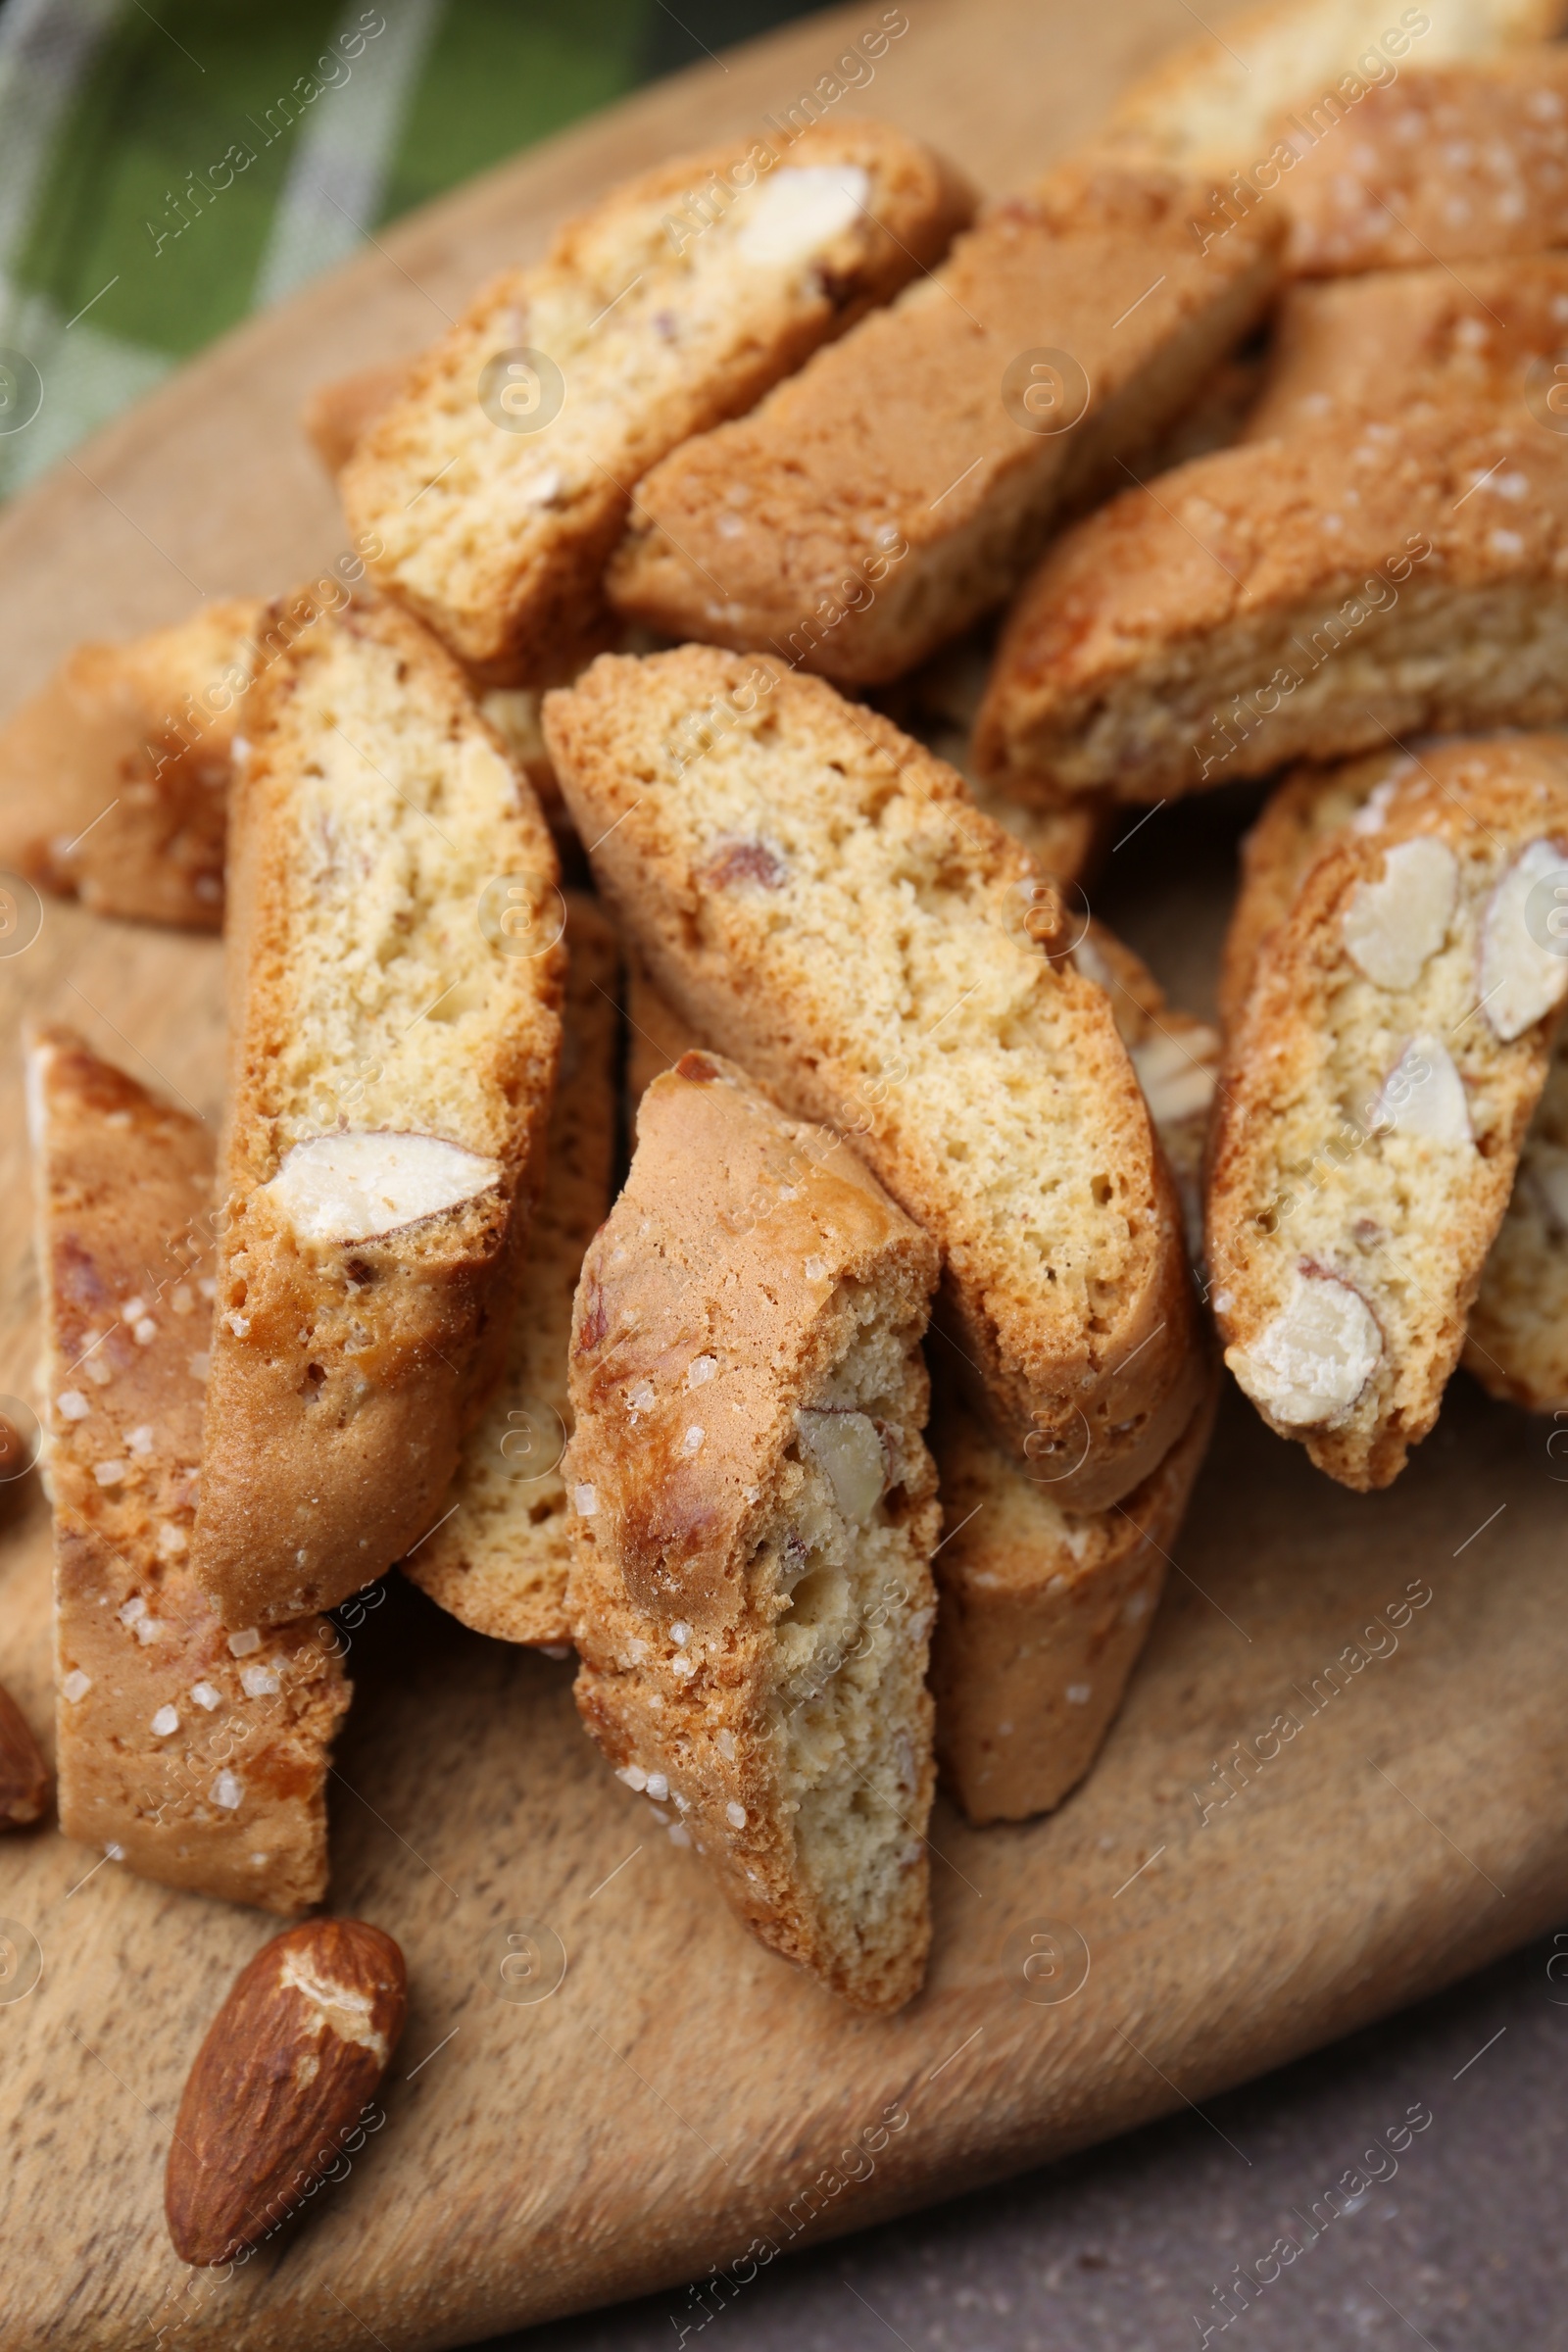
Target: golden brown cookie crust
pixel 756 1511
pixel 197 1760
pixel 1303 599
pixel 901 485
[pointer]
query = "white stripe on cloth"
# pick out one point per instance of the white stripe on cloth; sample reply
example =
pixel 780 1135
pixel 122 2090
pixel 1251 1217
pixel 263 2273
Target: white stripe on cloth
pixel 45 49
pixel 88 377
pixel 339 170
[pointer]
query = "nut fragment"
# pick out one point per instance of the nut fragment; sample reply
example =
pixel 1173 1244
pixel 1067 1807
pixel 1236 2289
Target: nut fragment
pixel 1177 1085
pixel 1521 978
pixel 357 1187
pixel 24 1774
pixel 848 1449
pixel 273 2100
pixel 1424 1094
pixel 1307 1367
pixel 1391 926
pixel 802 209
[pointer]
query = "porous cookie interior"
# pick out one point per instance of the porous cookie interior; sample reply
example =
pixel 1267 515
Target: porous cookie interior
pixel 846 1712
pixel 390 1013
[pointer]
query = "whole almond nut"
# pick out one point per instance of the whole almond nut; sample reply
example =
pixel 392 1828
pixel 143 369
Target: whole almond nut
pixel 24 1774
pixel 288 2064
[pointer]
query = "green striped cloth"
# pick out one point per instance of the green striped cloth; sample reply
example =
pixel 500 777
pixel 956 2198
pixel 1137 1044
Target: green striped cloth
pixel 169 166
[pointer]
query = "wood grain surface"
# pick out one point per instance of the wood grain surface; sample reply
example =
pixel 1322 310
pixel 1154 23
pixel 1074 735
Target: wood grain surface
pixel 681 2099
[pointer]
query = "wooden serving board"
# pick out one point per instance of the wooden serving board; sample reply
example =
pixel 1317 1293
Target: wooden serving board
pixel 682 2099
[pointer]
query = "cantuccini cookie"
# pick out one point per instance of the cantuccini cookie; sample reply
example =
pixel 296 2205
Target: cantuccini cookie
pixel 1215 106
pixel 1516 1342
pixel 114 777
pixel 818 896
pixel 902 485
pixel 500 478
pixel 1398 342
pixel 1450 164
pixel 499 1558
pixel 1299 599
pixel 756 1511
pixel 1376 1092
pixel 1042 1613
pixel 195 1756
pixel 395 974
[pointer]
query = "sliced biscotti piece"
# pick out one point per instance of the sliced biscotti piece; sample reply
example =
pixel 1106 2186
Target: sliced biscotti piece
pixel 1453 164
pixel 1517 1341
pixel 1394 343
pixel 820 896
pixel 1376 1095
pixel 756 1511
pixel 902 483
pixel 1212 107
pixel 394 972
pixel 195 1756
pixel 114 777
pixel 1285 600
pixel 499 1558
pixel 1042 1613
pixel 497 481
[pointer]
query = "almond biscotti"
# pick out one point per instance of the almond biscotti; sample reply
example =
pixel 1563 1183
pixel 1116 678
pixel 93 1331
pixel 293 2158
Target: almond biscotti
pixel 1394 343
pixel 1376 1094
pixel 196 1757
pixel 902 483
pixel 1303 599
pixel 1453 164
pixel 394 974
pixel 1516 1344
pixel 820 898
pixel 114 777
pixel 499 1558
pixel 756 1511
pixel 1042 1614
pixel 1214 108
pixel 499 480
